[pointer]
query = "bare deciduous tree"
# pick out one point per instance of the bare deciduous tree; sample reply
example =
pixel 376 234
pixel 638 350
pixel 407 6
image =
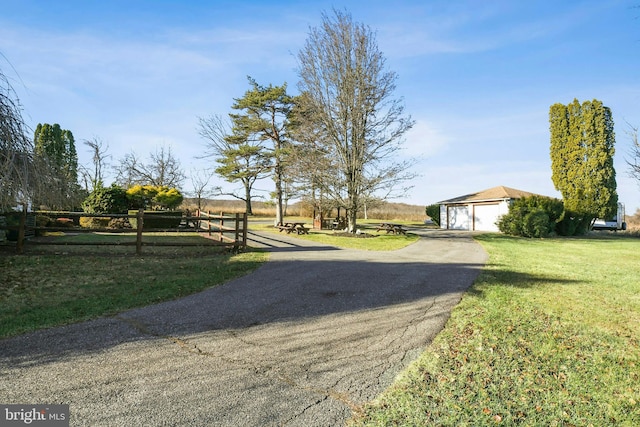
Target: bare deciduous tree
pixel 200 182
pixel 93 177
pixel 634 152
pixel 161 170
pixel 343 72
pixel 311 168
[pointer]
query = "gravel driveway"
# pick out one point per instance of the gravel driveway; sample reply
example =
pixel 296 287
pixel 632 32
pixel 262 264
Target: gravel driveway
pixel 311 334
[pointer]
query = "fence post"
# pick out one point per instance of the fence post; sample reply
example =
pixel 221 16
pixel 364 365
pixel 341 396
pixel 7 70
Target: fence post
pixel 21 230
pixel 237 237
pixel 140 219
pixel 244 230
pixel 221 222
pixel 209 222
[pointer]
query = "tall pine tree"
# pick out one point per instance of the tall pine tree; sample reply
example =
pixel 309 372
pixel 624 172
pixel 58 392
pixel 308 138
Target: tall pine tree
pixel 264 115
pixel 582 149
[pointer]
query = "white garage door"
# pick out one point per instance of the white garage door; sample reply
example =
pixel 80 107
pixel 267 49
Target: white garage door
pixel 485 217
pixel 458 218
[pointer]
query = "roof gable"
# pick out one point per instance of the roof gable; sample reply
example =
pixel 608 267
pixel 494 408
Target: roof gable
pixel 496 193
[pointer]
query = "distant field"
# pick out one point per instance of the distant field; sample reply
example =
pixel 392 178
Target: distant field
pixel 386 211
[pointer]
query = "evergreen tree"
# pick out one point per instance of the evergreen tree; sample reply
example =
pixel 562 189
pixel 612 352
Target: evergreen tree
pixel 55 147
pixel 263 117
pixel 240 158
pixel 582 149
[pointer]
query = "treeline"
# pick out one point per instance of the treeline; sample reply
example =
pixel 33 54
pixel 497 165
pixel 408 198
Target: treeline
pixel 385 210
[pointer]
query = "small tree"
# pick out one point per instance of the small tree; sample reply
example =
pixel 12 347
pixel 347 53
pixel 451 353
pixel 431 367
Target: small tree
pixel 199 181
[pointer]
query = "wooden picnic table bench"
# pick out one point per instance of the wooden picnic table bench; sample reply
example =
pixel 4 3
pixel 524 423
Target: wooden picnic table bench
pixel 293 227
pixel 391 228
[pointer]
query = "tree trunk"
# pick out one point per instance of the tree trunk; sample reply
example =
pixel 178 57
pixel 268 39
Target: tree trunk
pixel 278 181
pixel 352 209
pixel 247 199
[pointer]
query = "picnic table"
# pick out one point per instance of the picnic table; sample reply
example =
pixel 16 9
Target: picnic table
pixel 293 227
pixel 391 228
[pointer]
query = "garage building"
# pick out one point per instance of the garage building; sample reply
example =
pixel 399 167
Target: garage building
pixel 478 211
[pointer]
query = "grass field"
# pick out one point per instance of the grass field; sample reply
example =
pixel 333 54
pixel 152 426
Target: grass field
pixel 548 335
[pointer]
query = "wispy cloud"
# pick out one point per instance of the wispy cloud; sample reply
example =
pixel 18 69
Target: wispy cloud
pixel 470 27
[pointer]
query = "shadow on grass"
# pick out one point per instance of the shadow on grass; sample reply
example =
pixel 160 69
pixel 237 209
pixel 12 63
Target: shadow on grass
pixel 506 277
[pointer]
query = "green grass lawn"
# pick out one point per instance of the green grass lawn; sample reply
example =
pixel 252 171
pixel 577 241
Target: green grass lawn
pixel 65 284
pixel 548 335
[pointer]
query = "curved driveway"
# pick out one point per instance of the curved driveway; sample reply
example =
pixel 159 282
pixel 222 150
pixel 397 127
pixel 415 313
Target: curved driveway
pixel 310 335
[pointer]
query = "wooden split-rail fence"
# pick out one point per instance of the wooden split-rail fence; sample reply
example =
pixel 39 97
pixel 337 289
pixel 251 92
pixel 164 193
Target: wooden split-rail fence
pixel 218 229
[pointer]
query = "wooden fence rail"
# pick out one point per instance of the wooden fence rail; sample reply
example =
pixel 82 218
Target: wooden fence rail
pixel 219 229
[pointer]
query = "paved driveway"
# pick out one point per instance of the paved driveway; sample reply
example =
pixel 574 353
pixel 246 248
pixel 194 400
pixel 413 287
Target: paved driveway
pixel 311 334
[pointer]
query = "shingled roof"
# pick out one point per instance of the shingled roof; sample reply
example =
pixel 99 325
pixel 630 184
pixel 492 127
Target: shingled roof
pixel 492 194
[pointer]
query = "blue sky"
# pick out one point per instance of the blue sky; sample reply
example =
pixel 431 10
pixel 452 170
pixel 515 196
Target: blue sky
pixel 477 77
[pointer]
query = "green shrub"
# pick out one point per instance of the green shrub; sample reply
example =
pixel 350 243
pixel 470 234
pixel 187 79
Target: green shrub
pixel 154 197
pixel 141 196
pixel 168 198
pixel 91 222
pixel 433 212
pixel 43 221
pixel 119 223
pixel 534 216
pixel 573 224
pixel 106 200
pixel 150 222
pixel 63 222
